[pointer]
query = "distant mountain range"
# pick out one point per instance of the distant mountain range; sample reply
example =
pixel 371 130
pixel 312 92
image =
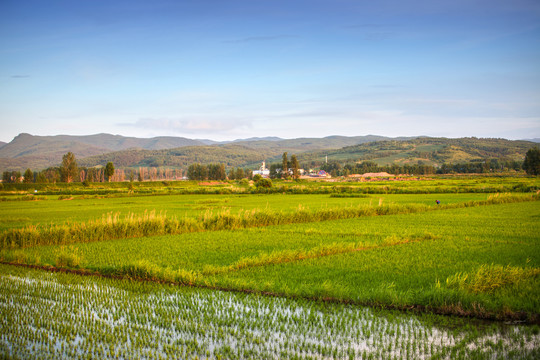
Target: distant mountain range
pixel 39 152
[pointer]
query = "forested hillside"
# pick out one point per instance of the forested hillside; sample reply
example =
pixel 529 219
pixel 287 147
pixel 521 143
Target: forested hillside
pixel 231 155
pixel 37 153
pixel 425 150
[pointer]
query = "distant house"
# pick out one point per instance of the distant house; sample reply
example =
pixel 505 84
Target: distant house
pixel 263 171
pixel 319 174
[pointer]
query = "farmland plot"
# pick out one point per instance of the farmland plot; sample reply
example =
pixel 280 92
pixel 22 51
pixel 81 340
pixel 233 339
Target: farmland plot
pixel 52 316
pixel 320 258
pixel 418 259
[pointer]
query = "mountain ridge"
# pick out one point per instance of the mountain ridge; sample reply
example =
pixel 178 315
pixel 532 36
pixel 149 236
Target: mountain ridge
pixel 39 152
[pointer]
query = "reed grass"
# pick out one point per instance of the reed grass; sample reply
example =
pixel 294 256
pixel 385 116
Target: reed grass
pixel 490 278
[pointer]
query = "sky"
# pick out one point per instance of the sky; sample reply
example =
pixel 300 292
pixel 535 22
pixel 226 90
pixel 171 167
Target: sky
pixel 231 69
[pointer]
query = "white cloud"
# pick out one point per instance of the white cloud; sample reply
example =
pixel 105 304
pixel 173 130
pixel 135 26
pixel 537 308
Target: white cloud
pixel 194 125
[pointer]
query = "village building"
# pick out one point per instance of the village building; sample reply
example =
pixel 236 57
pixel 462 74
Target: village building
pixel 263 171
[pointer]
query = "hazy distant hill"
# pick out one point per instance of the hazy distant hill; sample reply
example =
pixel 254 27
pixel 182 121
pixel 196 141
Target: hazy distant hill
pixel 308 144
pixel 424 150
pixel 37 152
pixel 2 144
pixel 267 138
pixel 236 153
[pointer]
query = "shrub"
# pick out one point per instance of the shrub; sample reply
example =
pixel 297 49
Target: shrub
pixel 264 183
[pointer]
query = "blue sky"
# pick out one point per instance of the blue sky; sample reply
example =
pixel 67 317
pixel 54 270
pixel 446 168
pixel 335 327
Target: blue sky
pixel 225 69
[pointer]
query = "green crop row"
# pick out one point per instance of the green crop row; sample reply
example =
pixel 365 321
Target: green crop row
pixel 17 214
pixel 112 226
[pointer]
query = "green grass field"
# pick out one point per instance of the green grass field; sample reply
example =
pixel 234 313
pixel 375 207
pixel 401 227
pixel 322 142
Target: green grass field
pixel 475 255
pixel 14 214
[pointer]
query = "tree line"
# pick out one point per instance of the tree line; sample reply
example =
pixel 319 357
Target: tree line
pixel 68 172
pixel 217 172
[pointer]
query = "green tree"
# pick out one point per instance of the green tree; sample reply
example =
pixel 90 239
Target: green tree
pixel 52 175
pixel 240 174
pixel 6 177
pixel 28 176
pixel 197 172
pixel 532 161
pixel 274 170
pixel 68 169
pixel 40 178
pixel 295 167
pixel 264 183
pixel 216 172
pixel 284 166
pixel 109 171
pixel 91 175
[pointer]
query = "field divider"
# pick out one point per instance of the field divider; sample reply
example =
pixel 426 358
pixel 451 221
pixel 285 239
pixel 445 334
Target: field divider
pixel 111 226
pixel 288 256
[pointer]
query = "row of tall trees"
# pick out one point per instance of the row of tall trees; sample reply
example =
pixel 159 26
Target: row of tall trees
pixel 287 169
pixel 68 172
pixel 217 172
pixel 206 172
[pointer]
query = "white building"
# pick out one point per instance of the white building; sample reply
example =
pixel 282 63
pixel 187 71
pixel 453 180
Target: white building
pixel 263 171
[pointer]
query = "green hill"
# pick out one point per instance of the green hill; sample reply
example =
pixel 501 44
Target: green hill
pixel 232 155
pixel 425 150
pixel 39 152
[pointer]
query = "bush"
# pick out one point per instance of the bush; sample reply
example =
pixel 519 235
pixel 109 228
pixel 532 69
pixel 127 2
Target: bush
pixel 264 183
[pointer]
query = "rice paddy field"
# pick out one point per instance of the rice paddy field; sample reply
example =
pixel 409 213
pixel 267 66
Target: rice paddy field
pixel 339 275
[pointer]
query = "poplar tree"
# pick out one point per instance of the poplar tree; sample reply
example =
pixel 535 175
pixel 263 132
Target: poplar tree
pixel 109 171
pixel 284 166
pixel 295 166
pixel 28 176
pixel 68 169
pixel 532 161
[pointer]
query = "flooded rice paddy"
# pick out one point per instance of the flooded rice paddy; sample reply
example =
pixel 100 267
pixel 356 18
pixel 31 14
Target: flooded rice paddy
pixel 64 316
